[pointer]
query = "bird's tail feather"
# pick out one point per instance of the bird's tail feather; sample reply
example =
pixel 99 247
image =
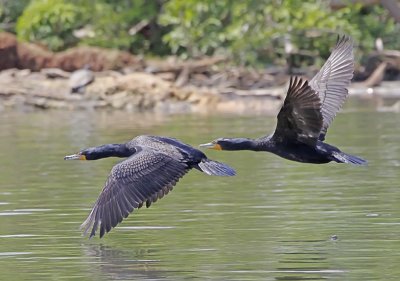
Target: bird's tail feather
pixel 342 157
pixel 215 168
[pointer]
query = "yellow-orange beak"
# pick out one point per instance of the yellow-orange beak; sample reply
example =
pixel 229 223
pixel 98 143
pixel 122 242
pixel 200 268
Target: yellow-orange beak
pixel 211 145
pixel 75 157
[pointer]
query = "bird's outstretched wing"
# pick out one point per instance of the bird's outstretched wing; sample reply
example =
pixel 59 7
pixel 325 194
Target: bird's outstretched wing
pixel 300 117
pixel 144 177
pixel 333 79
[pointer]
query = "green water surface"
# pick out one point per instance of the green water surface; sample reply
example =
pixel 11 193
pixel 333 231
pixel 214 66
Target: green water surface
pixel 274 221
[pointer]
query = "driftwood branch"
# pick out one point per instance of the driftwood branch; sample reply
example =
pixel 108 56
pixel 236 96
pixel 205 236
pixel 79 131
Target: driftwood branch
pixel 376 77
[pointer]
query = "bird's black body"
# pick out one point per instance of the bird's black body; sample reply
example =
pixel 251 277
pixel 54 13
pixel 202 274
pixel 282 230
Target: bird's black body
pixel 306 114
pixel 296 151
pixel 154 166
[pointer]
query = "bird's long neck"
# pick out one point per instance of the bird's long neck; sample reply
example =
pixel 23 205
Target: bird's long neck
pixel 110 150
pixel 265 143
pixel 242 144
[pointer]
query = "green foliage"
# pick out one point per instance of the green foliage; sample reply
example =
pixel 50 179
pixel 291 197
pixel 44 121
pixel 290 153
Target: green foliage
pixel 197 26
pixel 50 22
pixel 255 30
pixel 112 20
pixel 371 22
pixel 246 29
pixel 10 10
pixel 251 31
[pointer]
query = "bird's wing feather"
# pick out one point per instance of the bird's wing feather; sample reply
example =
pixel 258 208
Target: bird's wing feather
pixel 144 177
pixel 333 79
pixel 300 117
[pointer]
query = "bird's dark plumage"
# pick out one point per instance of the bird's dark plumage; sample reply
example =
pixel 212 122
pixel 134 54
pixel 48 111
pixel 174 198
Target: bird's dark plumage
pixel 300 117
pixel 306 114
pixel 154 166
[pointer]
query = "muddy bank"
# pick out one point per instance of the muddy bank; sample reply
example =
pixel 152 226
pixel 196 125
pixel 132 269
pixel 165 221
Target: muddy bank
pixel 23 55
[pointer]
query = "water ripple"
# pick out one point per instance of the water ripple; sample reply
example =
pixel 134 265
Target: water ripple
pixel 145 227
pixel 18 236
pixel 14 213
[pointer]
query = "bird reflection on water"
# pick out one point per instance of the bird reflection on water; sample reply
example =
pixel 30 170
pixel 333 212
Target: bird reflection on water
pixel 118 264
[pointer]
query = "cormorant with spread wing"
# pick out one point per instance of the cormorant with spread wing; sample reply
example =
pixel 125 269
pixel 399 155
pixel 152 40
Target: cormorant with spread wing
pixel 154 166
pixel 306 114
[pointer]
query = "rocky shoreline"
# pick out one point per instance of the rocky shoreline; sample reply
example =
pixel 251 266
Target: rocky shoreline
pixel 136 91
pixel 139 91
pixel 34 77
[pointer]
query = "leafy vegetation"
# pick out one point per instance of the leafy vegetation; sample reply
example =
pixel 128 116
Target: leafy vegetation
pixel 113 24
pixel 251 32
pixel 10 11
pixel 50 22
pixel 256 30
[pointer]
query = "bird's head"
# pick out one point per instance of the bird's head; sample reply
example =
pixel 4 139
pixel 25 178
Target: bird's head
pixel 86 154
pixel 229 144
pixel 102 151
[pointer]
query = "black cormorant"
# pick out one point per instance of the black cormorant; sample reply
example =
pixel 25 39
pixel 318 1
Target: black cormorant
pixel 154 166
pixel 306 114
